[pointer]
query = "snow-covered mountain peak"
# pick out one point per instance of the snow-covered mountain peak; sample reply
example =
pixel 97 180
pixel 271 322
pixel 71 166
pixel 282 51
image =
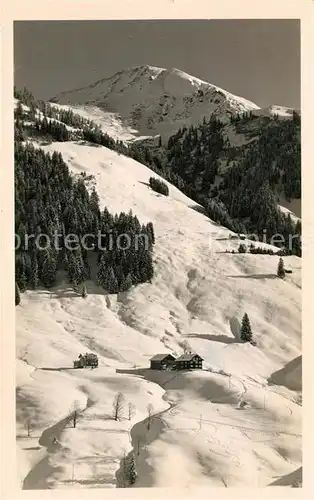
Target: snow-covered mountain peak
pixel 157 100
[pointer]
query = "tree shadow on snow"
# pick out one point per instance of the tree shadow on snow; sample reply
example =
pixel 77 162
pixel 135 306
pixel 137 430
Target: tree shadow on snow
pixel 63 368
pixel 224 339
pixel 198 208
pixel 94 481
pixel 254 276
pixel 61 293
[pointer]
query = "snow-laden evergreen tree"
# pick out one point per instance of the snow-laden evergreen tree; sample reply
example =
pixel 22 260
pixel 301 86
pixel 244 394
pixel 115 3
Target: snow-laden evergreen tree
pixel 110 281
pixel 281 269
pixel 246 331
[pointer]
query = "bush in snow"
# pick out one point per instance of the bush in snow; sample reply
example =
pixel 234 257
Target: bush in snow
pixel 158 186
pixel 242 248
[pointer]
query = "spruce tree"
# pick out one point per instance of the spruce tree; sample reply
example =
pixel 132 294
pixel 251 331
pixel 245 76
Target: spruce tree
pixel 132 473
pixel 22 282
pixel 34 279
pixel 49 268
pixel 242 248
pixel 17 295
pixel 246 332
pixel 150 230
pixel 281 269
pixel 110 281
pixel 126 283
pixel 101 275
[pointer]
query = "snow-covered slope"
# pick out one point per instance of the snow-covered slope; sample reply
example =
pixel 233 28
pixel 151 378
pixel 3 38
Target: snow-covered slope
pixel 280 111
pixel 199 294
pixel 157 100
pixel 290 375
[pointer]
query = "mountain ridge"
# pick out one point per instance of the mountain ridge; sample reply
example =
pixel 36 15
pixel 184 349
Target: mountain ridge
pixel 158 100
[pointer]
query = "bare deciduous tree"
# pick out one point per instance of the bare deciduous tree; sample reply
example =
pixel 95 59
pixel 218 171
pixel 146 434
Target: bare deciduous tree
pixel 118 406
pixel 138 445
pixel 131 410
pixel 74 412
pixel 186 347
pixel 29 427
pixel 150 410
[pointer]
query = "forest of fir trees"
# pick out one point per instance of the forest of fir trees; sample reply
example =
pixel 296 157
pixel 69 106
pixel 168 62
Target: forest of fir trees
pixel 49 201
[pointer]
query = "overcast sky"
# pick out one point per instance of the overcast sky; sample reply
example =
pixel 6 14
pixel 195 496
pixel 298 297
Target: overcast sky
pixel 256 59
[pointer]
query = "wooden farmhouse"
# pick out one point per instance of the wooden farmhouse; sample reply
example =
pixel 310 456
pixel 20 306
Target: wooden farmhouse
pixel 162 362
pixel 190 361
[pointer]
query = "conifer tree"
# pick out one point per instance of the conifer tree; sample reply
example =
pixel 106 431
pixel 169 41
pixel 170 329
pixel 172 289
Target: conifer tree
pixel 34 279
pixel 22 282
pixel 110 281
pixel 132 473
pixel 246 332
pixel 150 230
pixel 17 295
pixel 242 248
pixel 49 268
pixel 126 283
pixel 101 275
pixel 281 269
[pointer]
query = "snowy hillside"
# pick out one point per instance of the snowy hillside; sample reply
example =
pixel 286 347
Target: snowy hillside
pixel 157 100
pixel 281 111
pixel 199 294
pixel 290 375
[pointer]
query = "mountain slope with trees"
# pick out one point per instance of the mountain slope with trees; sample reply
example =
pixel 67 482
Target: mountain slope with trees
pixel 222 425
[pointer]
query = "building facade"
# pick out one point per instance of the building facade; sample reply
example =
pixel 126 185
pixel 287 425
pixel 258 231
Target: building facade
pixel 190 361
pixel 162 362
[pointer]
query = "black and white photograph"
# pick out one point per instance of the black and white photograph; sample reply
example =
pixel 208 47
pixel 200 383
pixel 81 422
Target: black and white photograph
pixel 157 206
